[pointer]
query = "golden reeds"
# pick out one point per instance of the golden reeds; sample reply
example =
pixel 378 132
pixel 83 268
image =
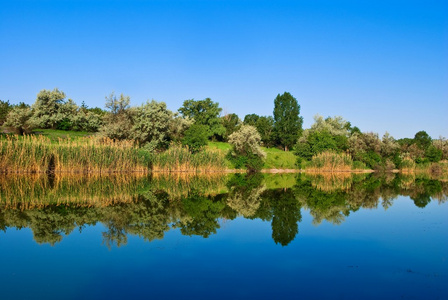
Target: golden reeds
pixel 180 159
pixel 36 154
pixel 329 161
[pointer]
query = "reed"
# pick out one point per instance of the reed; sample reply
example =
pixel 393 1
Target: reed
pixel 329 161
pixel 180 159
pixel 37 154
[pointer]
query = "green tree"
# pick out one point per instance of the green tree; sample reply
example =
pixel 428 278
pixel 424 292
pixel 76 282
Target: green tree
pixel 118 121
pixel 178 127
pixel 246 148
pixel 231 122
pixel 204 112
pixel 5 108
pixel 151 124
pixel 265 126
pixel 433 154
pixel 19 120
pixel 251 119
pixel 46 109
pixel 287 122
pixel 324 134
pixel 196 137
pixel 422 139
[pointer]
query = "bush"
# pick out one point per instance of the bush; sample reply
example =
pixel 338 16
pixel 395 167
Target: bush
pixel 246 148
pixel 19 120
pixel 196 137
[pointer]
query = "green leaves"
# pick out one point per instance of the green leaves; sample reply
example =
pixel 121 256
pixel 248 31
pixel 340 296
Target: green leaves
pixel 287 122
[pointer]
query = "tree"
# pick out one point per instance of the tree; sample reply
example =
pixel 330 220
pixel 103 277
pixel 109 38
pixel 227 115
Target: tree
pixel 246 148
pixel 5 108
pixel 287 122
pixel 118 121
pixel 151 124
pixel 324 134
pixel 204 112
pixel 251 119
pixel 264 125
pixel 178 127
pixel 196 137
pixel 231 122
pixel 422 139
pixel 18 119
pixel 46 109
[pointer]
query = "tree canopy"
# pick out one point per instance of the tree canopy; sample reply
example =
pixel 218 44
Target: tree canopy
pixel 287 122
pixel 204 112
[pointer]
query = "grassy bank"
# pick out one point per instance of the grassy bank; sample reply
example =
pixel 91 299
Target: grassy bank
pixel 275 158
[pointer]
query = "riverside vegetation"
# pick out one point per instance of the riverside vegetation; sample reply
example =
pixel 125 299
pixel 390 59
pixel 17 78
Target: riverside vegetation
pixel 197 139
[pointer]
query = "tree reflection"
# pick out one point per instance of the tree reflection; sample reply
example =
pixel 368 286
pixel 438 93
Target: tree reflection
pixel 286 215
pixel 137 206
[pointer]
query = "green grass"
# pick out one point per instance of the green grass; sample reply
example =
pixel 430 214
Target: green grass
pixel 279 159
pixel 219 145
pixel 276 158
pixel 54 134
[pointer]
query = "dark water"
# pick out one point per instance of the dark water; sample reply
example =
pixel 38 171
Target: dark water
pixel 233 237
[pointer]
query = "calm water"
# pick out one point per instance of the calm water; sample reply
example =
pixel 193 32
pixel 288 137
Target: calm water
pixel 232 237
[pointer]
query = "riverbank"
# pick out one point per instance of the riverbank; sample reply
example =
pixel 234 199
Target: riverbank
pixel 41 154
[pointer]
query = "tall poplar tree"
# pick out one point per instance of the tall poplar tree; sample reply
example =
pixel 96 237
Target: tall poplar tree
pixel 287 122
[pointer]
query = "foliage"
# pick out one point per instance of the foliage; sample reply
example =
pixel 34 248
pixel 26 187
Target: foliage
pixel 118 122
pixel 231 123
pixel 48 109
pixel 265 126
pixel 433 154
pixel 151 124
pixel 5 108
pixel 246 148
pixel 422 139
pixel 366 148
pixel 19 120
pixel 204 112
pixel 178 126
pixel 287 122
pixel 442 144
pixel 196 137
pixel 330 134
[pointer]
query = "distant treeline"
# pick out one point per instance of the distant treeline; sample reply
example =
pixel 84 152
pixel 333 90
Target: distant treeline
pixel 330 143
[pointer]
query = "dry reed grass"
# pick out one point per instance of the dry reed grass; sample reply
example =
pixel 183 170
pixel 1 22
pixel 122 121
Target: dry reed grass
pixel 36 154
pixel 180 159
pixel 329 161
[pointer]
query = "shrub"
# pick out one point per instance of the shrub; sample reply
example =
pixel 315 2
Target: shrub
pixel 246 148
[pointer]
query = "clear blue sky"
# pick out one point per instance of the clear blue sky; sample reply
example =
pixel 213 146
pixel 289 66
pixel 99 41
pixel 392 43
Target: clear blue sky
pixel 382 65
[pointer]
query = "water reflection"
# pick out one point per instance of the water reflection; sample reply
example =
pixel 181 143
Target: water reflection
pixel 149 207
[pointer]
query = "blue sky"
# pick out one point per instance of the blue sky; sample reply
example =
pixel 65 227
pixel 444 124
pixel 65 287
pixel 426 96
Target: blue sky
pixel 382 65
